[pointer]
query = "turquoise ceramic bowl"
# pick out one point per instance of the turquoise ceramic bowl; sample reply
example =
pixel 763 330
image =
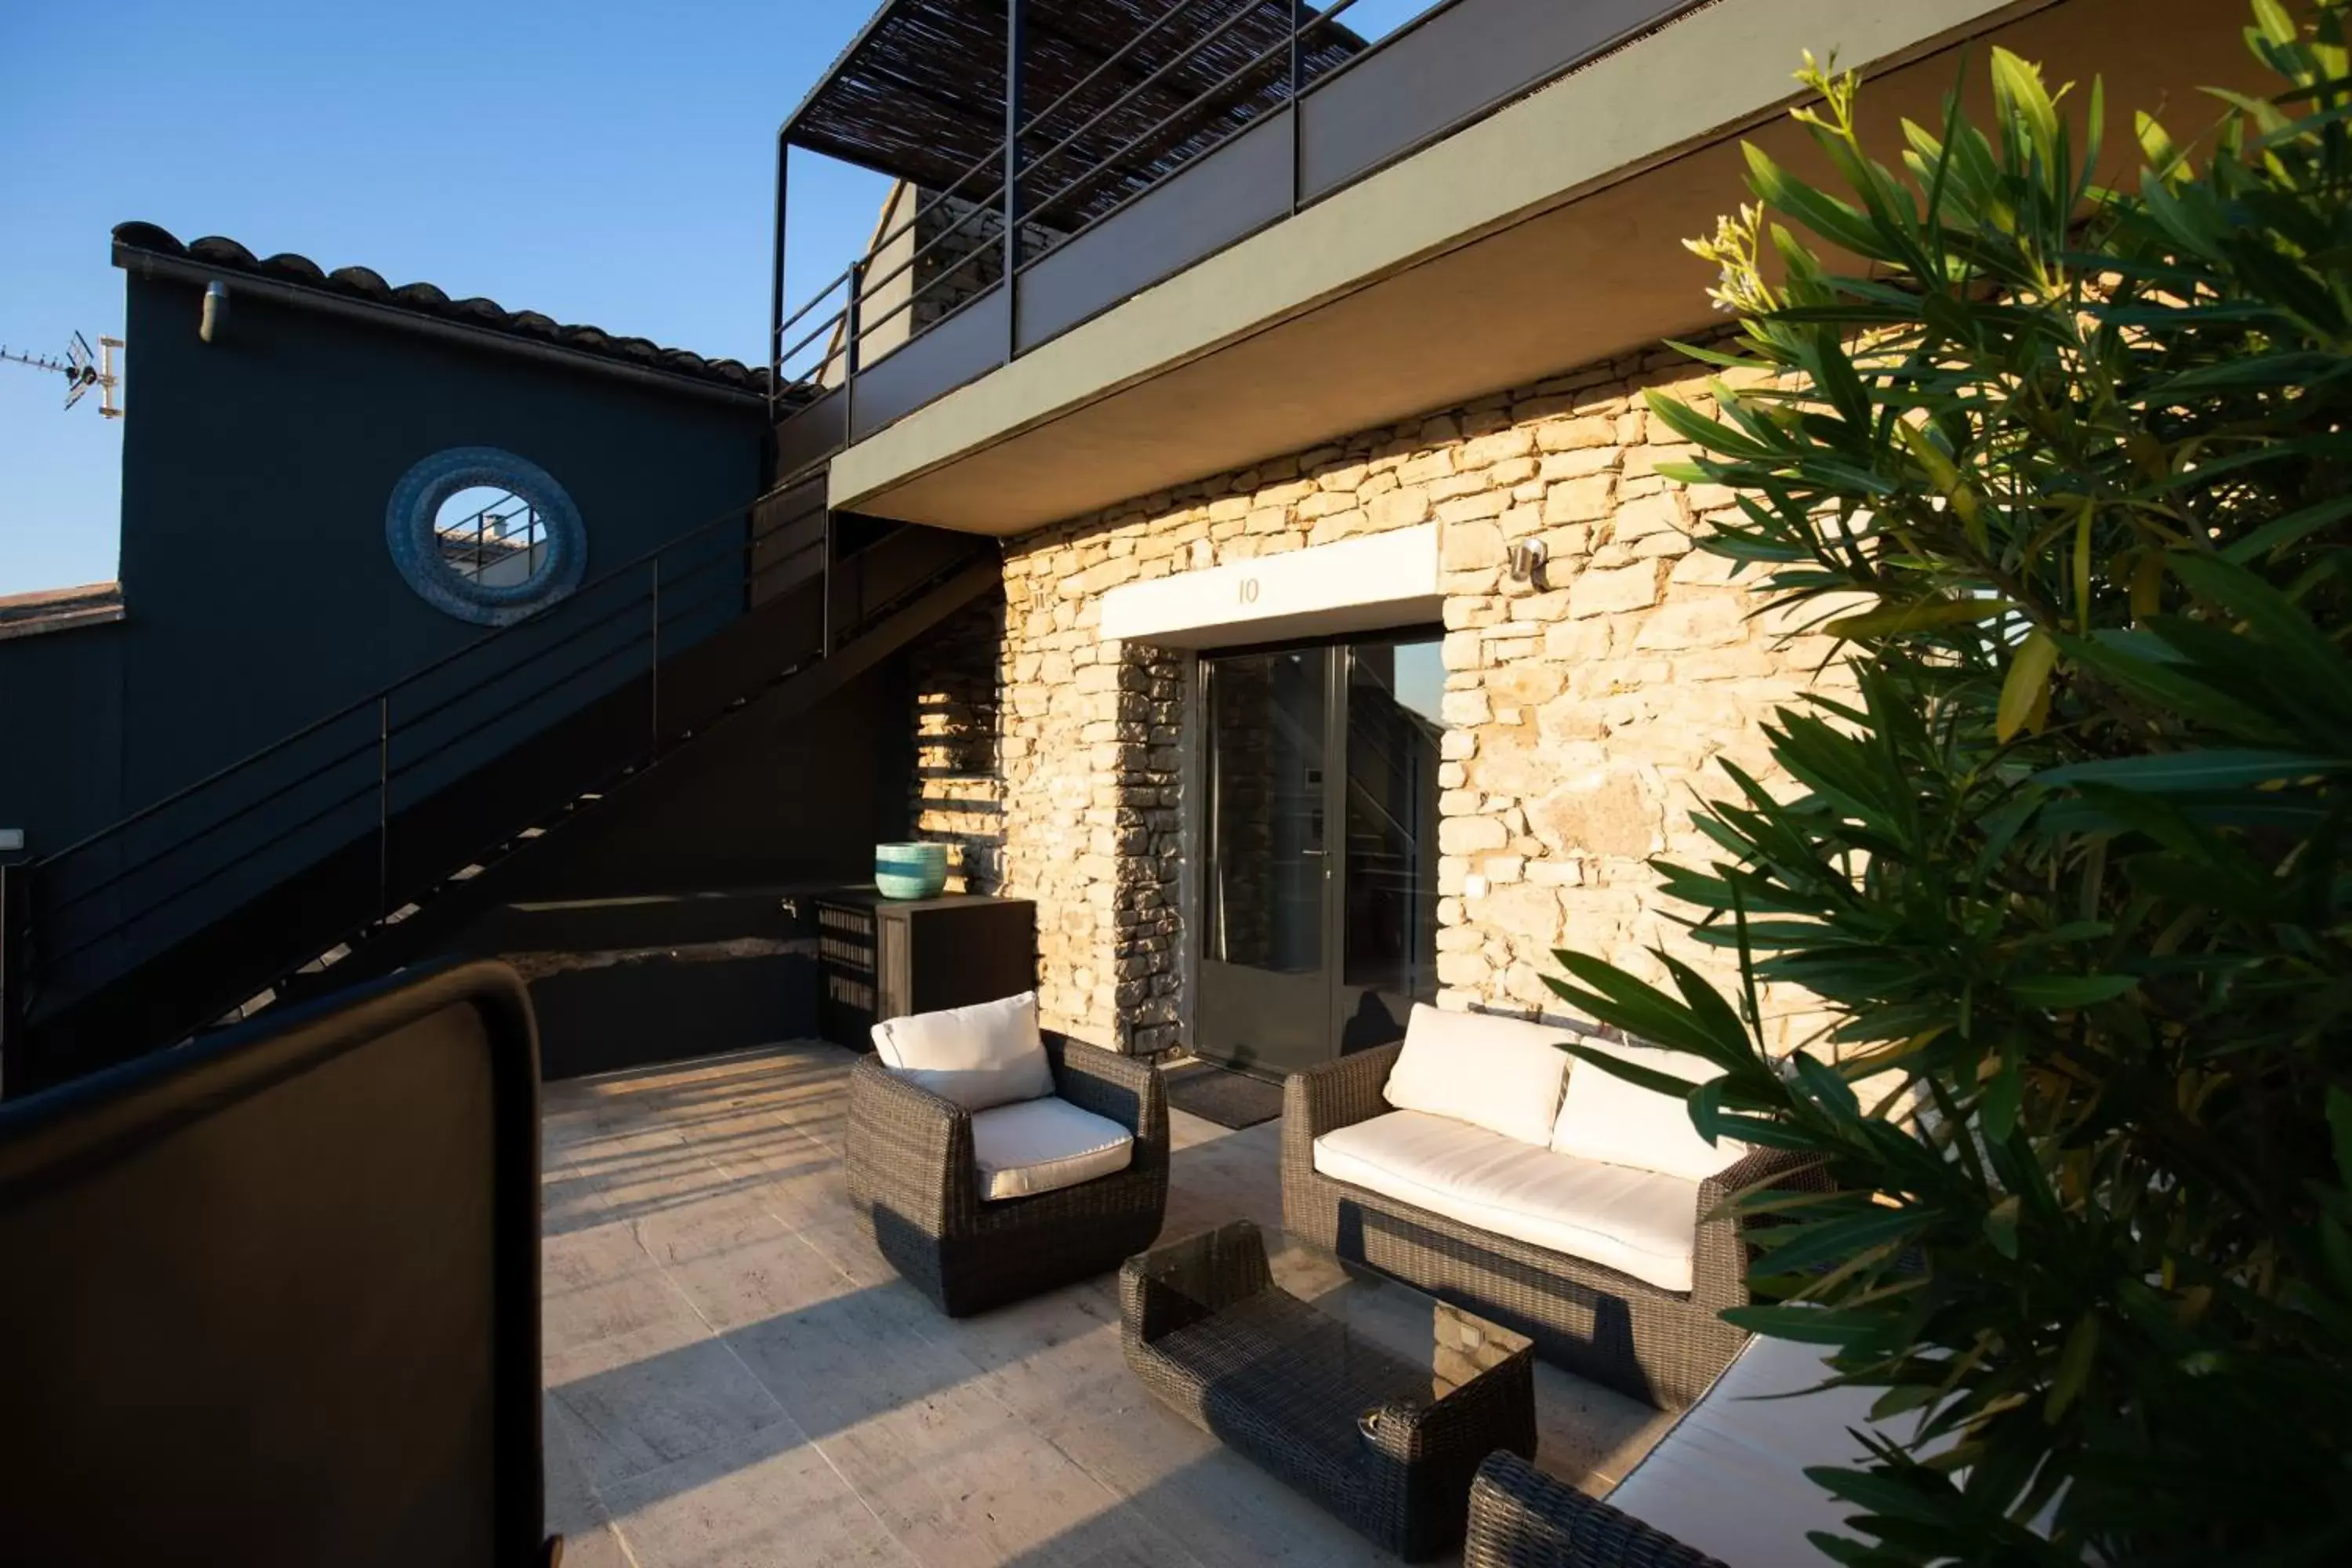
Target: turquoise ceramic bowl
pixel 910 871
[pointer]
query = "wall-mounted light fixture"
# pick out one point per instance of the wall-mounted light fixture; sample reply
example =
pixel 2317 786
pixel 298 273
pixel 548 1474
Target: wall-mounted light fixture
pixel 215 318
pixel 1526 559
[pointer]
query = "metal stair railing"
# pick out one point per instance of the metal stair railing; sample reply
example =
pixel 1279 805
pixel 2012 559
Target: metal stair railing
pixel 690 630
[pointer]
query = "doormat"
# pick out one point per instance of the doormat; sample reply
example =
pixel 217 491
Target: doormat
pixel 1217 1094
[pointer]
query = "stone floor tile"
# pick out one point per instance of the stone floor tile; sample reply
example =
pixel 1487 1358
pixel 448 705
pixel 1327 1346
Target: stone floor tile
pixel 638 1402
pixel 767 1499
pixel 737 1377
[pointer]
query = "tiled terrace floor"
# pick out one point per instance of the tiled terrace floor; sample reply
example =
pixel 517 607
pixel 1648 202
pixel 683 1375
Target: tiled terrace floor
pixel 735 1378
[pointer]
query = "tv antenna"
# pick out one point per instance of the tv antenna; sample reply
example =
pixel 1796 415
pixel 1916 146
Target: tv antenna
pixel 81 369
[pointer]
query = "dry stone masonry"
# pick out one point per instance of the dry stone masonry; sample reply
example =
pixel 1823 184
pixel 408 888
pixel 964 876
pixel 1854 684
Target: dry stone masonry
pixel 957 787
pixel 1587 710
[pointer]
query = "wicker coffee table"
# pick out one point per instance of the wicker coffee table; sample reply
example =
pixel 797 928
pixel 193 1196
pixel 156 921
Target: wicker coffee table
pixel 1373 1399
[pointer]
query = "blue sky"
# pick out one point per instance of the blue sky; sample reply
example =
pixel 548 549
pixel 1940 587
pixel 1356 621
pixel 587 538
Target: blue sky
pixel 603 161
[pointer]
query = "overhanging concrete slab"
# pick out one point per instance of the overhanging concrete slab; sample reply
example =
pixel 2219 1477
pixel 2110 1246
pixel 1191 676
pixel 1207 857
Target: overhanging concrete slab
pixel 1545 237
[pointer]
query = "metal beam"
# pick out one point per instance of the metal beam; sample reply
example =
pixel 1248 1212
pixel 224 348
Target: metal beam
pixel 776 282
pixel 1016 18
pixel 15 966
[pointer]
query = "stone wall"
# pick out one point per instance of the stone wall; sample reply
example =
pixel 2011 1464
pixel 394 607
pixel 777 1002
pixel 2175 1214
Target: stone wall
pixel 958 791
pixel 1586 710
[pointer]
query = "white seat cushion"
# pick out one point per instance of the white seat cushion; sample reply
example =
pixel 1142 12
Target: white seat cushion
pixel 1502 1074
pixel 1038 1145
pixel 1604 1116
pixel 988 1054
pixel 1637 1222
pixel 1729 1479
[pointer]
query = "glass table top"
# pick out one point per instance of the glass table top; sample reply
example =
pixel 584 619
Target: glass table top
pixel 1357 1313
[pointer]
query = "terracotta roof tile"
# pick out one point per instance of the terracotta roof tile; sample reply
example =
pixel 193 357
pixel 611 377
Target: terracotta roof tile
pixel 425 299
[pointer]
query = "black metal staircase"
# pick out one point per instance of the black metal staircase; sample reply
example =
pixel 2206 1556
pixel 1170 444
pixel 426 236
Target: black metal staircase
pixel 330 851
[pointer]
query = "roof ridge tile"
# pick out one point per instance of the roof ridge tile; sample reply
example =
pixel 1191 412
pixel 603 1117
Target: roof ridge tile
pixel 424 298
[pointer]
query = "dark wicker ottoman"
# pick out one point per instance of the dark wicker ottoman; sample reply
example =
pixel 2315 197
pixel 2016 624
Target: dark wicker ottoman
pixel 1383 1423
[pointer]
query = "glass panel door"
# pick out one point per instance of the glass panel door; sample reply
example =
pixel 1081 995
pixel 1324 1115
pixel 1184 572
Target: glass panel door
pixel 1388 931
pixel 1318 909
pixel 1266 984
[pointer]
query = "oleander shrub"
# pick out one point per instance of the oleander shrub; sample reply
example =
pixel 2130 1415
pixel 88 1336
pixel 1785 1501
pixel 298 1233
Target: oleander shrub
pixel 2068 467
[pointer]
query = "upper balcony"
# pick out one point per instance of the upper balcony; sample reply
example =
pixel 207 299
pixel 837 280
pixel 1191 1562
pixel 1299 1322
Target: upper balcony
pixel 1041 139
pixel 1236 228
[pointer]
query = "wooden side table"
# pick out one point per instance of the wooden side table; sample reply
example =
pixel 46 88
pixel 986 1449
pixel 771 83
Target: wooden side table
pixel 884 958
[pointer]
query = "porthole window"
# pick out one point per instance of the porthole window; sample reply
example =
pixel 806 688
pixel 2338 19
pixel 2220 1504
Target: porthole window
pixel 492 536
pixel 485 535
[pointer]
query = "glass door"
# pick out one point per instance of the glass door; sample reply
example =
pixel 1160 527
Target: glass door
pixel 1318 908
pixel 1388 893
pixel 1266 984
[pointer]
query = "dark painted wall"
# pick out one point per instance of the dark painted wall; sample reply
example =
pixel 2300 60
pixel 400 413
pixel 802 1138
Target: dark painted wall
pixel 753 804
pixel 258 588
pixel 255 471
pixel 60 734
pixel 654 927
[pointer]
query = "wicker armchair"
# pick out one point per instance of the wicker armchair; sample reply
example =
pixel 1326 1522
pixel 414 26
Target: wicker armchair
pixel 1521 1518
pixel 1662 1346
pixel 916 1191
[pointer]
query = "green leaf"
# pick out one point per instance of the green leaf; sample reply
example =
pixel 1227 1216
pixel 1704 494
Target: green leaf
pixel 1618 998
pixel 1824 1086
pixel 2155 144
pixel 2017 91
pixel 2074 1364
pixel 1881 1493
pixel 1832 219
pixel 2281 533
pixel 1812 1243
pixel 2000 1226
pixel 1924 614
pixel 1696 428
pixel 2312 661
pixel 2025 691
pixel 1901 1399
pixel 2065 991
pixel 1806 1325
pixel 1651 1079
pixel 2001 1098
pixel 2165 773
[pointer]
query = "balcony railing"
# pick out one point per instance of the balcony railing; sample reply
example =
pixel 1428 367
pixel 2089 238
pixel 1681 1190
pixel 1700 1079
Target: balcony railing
pixel 1204 123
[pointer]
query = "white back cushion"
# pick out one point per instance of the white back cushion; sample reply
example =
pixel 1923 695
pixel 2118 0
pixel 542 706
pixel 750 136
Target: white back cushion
pixel 1636 1221
pixel 987 1054
pixel 1729 1478
pixel 1502 1074
pixel 1603 1117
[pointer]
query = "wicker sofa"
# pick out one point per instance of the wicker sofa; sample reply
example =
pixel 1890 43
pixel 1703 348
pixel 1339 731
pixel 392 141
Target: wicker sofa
pixel 1725 1485
pixel 1659 1345
pixel 1521 1518
pixel 915 1185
